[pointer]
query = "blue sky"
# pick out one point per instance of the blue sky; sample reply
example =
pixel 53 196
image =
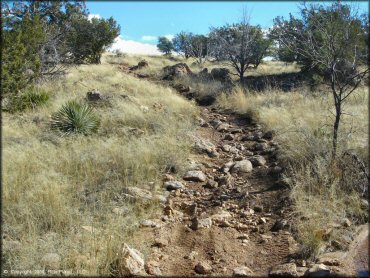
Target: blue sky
pixel 143 22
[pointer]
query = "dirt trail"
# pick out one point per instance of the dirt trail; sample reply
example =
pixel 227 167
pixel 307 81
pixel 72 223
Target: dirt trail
pixel 230 219
pixel 250 204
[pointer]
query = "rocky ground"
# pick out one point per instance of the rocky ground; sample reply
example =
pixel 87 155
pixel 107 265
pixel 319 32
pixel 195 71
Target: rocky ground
pixel 230 214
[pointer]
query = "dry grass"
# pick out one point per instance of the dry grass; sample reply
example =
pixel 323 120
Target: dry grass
pixel 303 121
pixel 53 186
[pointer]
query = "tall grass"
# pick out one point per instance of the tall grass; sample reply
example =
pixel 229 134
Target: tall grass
pixel 53 187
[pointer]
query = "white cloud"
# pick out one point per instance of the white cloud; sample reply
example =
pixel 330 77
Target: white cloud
pixel 169 36
pixel 134 47
pixel 149 38
pixel 91 16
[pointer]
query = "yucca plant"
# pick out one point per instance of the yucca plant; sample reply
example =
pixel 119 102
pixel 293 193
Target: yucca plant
pixel 76 118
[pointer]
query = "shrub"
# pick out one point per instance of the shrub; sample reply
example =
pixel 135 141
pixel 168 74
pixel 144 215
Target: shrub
pixel 74 117
pixel 30 99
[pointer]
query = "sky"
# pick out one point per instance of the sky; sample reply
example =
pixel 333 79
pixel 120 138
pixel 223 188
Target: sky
pixel 142 22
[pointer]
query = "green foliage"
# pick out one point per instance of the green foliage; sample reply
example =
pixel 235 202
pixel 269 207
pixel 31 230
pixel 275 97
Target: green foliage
pixel 75 118
pixel 89 38
pixel 30 98
pixel 165 45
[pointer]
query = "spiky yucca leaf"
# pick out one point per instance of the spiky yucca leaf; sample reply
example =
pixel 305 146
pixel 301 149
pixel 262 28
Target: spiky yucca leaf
pixel 74 117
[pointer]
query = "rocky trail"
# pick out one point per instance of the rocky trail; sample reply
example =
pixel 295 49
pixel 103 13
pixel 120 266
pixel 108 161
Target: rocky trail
pixel 230 214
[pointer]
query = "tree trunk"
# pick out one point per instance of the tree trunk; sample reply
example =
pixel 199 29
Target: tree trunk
pixel 338 113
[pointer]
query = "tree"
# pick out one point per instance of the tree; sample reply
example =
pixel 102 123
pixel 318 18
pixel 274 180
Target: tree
pixel 328 39
pixel 238 45
pixel 181 44
pixel 89 38
pixel 165 45
pixel 198 47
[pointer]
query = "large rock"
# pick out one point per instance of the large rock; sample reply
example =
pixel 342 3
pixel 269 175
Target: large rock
pixel 221 74
pixel 94 95
pixel 204 223
pixel 131 261
pixel 318 270
pixel 141 64
pixel 152 268
pixel 243 166
pixel 284 270
pixel 197 176
pixel 179 69
pixel 242 271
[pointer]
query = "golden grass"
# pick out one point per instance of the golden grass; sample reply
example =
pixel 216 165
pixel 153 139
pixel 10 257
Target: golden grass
pixel 303 121
pixel 53 186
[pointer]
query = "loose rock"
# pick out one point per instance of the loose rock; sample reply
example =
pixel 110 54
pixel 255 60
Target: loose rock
pixel 284 270
pixel 173 185
pixel 197 176
pixel 203 268
pixel 242 271
pixel 131 262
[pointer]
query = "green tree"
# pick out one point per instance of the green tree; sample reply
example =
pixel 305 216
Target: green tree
pixel 328 41
pixel 165 45
pixel 181 43
pixel 89 38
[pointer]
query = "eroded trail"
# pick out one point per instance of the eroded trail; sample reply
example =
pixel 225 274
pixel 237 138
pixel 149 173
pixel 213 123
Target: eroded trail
pixel 230 212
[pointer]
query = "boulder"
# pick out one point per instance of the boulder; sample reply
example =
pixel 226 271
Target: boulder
pixel 173 185
pixel 179 69
pixel 94 95
pixel 205 146
pixel 204 223
pixel 257 160
pixel 141 64
pixel 221 74
pixel 243 166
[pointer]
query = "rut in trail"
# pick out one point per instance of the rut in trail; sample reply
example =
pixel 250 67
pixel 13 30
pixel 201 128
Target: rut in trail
pixel 232 218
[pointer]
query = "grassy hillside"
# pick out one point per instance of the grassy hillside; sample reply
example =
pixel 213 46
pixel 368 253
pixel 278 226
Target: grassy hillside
pixel 59 192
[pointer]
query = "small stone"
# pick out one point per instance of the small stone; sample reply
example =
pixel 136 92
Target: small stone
pixel 152 268
pixel 346 222
pixel 269 135
pixel 222 127
pixel 197 176
pixel 201 223
pixel 173 185
pixel 168 177
pixel 211 184
pixel 279 225
pixel 148 223
pixel 243 166
pixel 284 270
pixel 229 137
pixel 261 147
pixel 318 270
pixel 192 255
pixel 226 148
pixel 326 260
pixel 262 220
pixel 203 268
pixel 258 208
pixel 51 261
pixel 243 236
pixel 159 242
pixel 257 160
pixel 242 271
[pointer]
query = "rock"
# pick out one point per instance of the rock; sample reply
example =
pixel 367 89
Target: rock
pixel 279 225
pixel 242 271
pixel 142 64
pixel 269 135
pixel 192 255
pixel 327 260
pixel 275 171
pixel 203 268
pixel 243 236
pixel 148 223
pixel 94 95
pixel 182 88
pixel 221 216
pixel 205 146
pixel 138 194
pixel 173 185
pixel 226 148
pixel 152 268
pixel 229 137
pixel 180 69
pixel 197 176
pixel 211 184
pixel 260 147
pixel 257 135
pixel 201 223
pixel 346 222
pixel 51 261
pixel 257 160
pixel 215 123
pixel 243 166
pixel 284 270
pixel 318 270
pixel 258 208
pixel 159 242
pixel 221 74
pixel 131 261
pixel 262 220
pixel 222 127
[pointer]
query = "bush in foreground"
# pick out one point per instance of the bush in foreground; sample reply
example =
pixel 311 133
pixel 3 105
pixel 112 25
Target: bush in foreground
pixel 74 117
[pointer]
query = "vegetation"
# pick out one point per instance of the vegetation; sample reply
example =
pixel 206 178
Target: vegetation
pixel 74 117
pixel 165 45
